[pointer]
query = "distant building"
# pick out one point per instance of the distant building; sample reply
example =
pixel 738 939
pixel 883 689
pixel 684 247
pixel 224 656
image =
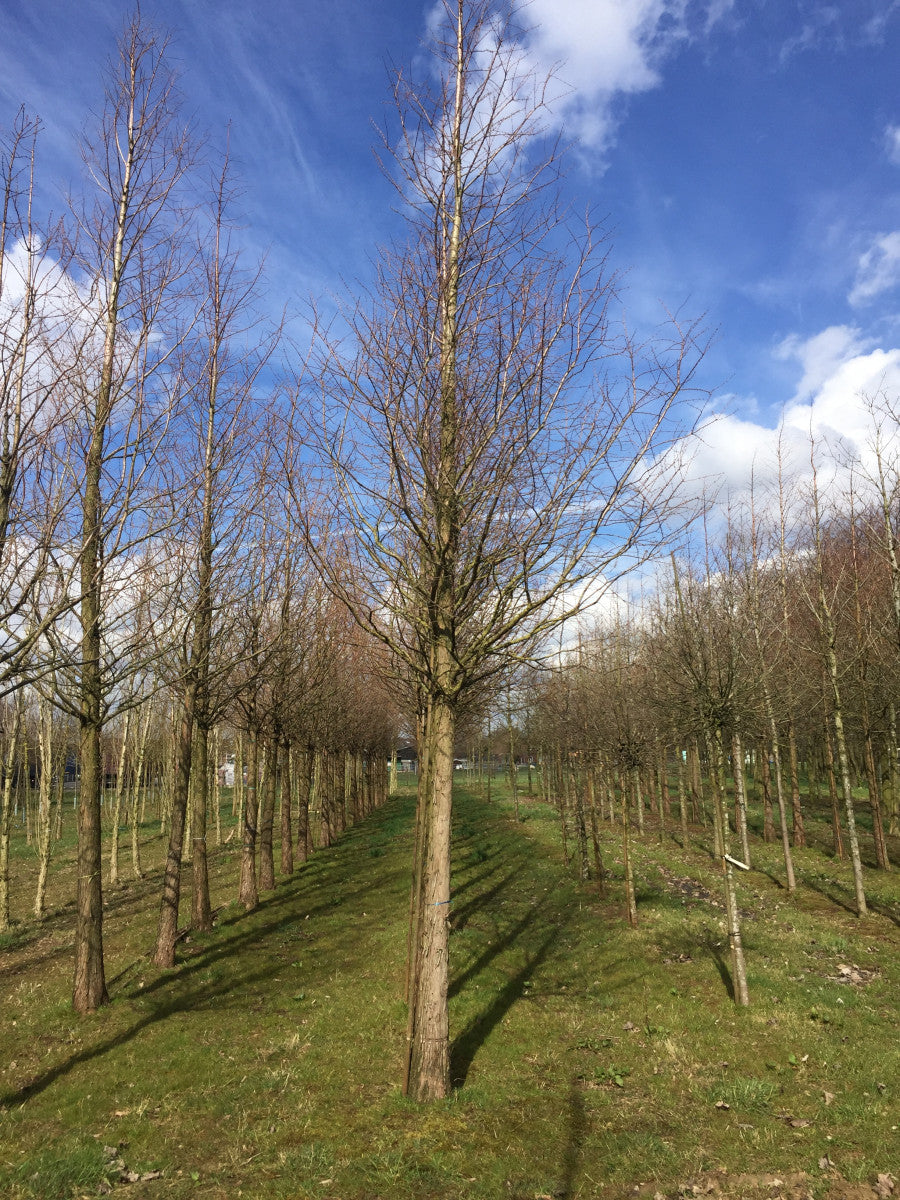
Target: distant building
pixel 407 758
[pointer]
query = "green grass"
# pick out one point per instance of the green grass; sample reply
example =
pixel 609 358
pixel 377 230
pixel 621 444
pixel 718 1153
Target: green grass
pixel 588 1059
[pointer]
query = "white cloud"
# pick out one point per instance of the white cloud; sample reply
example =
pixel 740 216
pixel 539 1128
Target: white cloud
pixel 840 377
pixel 892 143
pixel 732 451
pixel 821 355
pixel 878 269
pixel 603 49
pixel 839 411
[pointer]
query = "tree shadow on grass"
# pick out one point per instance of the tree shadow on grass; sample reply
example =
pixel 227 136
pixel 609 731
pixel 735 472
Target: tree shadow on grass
pixel 467 1043
pixel 714 949
pixel 574 1148
pixel 169 1007
pixel 833 894
pixel 495 947
pixel 884 910
pixel 181 992
pixel 474 880
pixel 888 911
pixel 461 916
pixel 689 946
pixel 122 901
pixel 776 879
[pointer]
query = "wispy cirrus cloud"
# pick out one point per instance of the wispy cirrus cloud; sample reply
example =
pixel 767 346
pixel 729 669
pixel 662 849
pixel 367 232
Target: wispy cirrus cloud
pixel 892 143
pixel 878 269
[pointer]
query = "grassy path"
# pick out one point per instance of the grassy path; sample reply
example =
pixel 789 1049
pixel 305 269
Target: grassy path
pixel 590 1060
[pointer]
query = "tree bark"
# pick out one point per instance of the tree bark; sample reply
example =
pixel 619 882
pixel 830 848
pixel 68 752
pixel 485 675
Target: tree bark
pixel 9 766
pixel 303 769
pixel 201 906
pixel 740 794
pixel 45 741
pixel 167 927
pixel 248 894
pixel 267 820
pixel 117 804
pixel 429 1076
pixel 287 794
pixel 89 990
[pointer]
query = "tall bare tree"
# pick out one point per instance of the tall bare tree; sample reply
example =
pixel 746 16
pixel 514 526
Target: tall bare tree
pixel 491 441
pixel 219 424
pixel 128 258
pixel 825 594
pixel 36 299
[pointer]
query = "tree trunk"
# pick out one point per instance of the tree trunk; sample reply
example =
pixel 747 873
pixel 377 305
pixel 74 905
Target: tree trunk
pixel 429 1074
pixel 416 898
pixel 562 801
pixel 697 784
pixel 324 782
pixel 237 795
pixel 740 794
pixel 682 797
pixel 766 773
pixel 45 820
pixel 713 752
pixel 302 773
pixel 799 829
pixel 9 766
pixel 630 898
pixel 847 788
pixel 201 906
pixel 577 790
pixel 287 795
pixel 117 806
pixel 595 832
pixel 881 851
pixel 267 820
pixel 215 787
pixel 738 968
pixel 790 882
pixel 893 752
pixel 167 928
pixel 89 990
pixel 248 894
pixel 137 789
pixel 833 794
pixel 638 797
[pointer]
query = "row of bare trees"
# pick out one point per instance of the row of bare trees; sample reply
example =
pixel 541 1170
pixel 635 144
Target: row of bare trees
pixel 153 576
pixel 757 684
pixel 317 748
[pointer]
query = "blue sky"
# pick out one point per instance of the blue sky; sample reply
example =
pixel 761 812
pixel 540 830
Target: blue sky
pixel 746 154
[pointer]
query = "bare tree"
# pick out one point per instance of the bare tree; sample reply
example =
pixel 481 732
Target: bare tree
pixel 127 257
pixel 491 442
pixel 12 725
pixel 767 635
pixel 710 663
pixel 218 427
pixel 825 592
pixel 36 573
